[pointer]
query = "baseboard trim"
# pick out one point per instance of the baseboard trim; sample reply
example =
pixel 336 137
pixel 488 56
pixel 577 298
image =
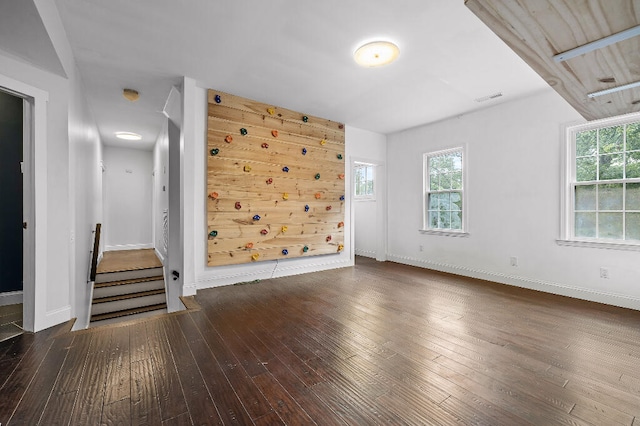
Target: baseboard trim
pixel 58 316
pixel 128 247
pixel 11 298
pixel 160 256
pixel 365 253
pixel 528 283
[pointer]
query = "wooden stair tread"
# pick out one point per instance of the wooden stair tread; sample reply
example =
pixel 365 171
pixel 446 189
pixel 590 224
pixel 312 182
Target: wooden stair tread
pixel 131 281
pixel 128 269
pixel 127 312
pixel 127 296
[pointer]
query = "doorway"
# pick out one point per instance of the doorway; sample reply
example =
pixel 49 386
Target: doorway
pixel 12 194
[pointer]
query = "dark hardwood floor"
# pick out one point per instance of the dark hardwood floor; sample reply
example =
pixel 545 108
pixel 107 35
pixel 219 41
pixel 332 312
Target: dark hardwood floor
pixel 379 343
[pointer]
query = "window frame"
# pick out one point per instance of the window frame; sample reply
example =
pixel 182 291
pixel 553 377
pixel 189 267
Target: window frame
pixel 365 197
pixel 567 229
pixel 463 232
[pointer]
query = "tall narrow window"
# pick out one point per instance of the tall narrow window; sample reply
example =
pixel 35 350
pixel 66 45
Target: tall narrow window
pixel 364 181
pixel 443 198
pixel 604 181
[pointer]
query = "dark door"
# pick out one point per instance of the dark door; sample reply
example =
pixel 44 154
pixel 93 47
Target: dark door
pixel 10 192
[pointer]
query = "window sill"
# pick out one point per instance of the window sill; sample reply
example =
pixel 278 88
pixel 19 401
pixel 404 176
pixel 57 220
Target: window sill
pixel 444 233
pixel 599 245
pixel 364 198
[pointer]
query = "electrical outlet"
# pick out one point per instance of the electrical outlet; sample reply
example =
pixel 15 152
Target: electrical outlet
pixel 514 261
pixel 604 273
pixel 421 247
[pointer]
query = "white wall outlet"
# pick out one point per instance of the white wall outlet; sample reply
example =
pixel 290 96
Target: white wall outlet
pixel 604 273
pixel 514 261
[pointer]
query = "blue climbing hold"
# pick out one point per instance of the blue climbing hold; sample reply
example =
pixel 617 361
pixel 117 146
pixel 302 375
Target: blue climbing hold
pixel 218 99
pixel 285 169
pixel 304 151
pixel 285 252
pixel 256 217
pixel 306 208
pixel 342 198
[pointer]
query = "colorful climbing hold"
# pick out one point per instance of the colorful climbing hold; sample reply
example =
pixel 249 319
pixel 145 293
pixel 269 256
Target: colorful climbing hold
pixel 269 181
pixel 274 133
pixel 238 205
pixel 213 234
pixel 342 198
pixel 285 169
pixel 285 196
pixel 340 247
pixel 328 208
pixel 248 245
pixel 323 142
pixel 247 168
pixel 306 207
pixel 271 111
pixel 218 99
pixel 264 232
pixel 305 249
pixel 328 238
pixel 304 151
pixel 285 252
pixel 339 156
pixel 340 126
pixel 256 217
pixel 317 176
pixel 318 195
pixel 255 256
pixel 243 131
pixel 213 195
pixel 214 151
pixel 305 118
pixel 341 176
pixel 340 224
pixel 284 228
pixel 228 139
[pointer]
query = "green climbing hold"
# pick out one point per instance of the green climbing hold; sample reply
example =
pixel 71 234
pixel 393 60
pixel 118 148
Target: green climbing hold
pixel 339 156
pixel 305 249
pixel 215 151
pixel 243 132
pixel 305 118
pixel 213 234
pixel 317 176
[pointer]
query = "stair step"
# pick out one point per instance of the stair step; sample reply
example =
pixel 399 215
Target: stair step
pixel 116 288
pixel 104 277
pixel 126 296
pixel 127 301
pixel 128 312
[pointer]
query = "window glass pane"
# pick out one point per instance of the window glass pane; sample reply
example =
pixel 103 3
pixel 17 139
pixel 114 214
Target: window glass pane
pixel 445 220
pixel 633 165
pixel 585 197
pixel 434 201
pixel 456 220
pixel 632 226
pixel 456 180
pixel 586 169
pixel 457 161
pixel 610 197
pixel 433 219
pixel 610 225
pixel 444 201
pixel 611 140
pixel 633 136
pixel 445 181
pixel 587 143
pixel 585 224
pixel 633 196
pixel 456 201
pixel 433 182
pixel 611 167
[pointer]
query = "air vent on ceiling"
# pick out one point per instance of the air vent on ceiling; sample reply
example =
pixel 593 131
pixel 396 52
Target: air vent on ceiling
pixel 488 98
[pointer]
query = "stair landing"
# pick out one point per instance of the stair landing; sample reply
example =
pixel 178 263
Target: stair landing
pixel 128 260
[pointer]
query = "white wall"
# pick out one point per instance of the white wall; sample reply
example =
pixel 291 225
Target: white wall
pixel 160 189
pixel 514 167
pixel 128 197
pixel 369 220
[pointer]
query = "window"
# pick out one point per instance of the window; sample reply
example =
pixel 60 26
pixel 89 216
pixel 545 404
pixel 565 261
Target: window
pixel 364 181
pixel 443 195
pixel 604 181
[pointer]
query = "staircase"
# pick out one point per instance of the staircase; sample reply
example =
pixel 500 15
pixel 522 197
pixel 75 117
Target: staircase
pixel 129 284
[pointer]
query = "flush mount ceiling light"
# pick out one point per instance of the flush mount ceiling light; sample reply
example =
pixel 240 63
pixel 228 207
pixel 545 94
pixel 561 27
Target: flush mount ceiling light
pixel 130 94
pixel 128 136
pixel 376 54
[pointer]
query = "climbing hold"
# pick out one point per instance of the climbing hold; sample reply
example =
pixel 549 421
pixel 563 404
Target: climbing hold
pixel 213 195
pixel 318 195
pixel 317 176
pixel 306 207
pixel 305 249
pixel 340 247
pixel 264 232
pixel 269 181
pixel 228 139
pixel 284 229
pixel 285 252
pixel 265 145
pixel 285 196
pixel 339 156
pixel 323 142
pixel 341 176
pixel 285 169
pixel 218 99
pixel 248 245
pixel 305 118
pixel 213 234
pixel 247 168
pixel 304 151
pixel 214 151
pixel 274 133
pixel 238 205
pixel 342 198
pixel 271 111
pixel 328 208
pixel 243 131
pixel 328 238
pixel 340 224
pixel 255 256
pixel 340 126
pixel 256 217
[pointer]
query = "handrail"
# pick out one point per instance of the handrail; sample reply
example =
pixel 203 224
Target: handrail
pixel 94 256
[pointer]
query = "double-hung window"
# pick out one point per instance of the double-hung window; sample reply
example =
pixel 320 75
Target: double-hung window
pixel 364 181
pixel 603 200
pixel 444 191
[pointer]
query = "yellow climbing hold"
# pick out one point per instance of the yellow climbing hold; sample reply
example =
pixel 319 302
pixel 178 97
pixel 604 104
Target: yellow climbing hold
pixel 247 168
pixel 340 247
pixel 284 229
pixel 271 111
pixel 323 142
pixel 255 256
pixel 285 196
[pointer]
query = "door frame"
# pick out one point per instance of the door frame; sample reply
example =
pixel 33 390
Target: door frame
pixel 34 291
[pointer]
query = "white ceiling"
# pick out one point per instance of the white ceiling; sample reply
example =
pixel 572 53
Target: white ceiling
pixel 293 54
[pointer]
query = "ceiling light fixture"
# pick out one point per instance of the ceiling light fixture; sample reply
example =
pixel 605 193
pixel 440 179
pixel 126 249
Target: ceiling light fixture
pixel 128 136
pixel 376 54
pixel 131 95
pixel 614 89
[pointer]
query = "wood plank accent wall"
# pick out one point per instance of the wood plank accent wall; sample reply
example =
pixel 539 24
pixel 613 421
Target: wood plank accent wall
pixel 301 211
